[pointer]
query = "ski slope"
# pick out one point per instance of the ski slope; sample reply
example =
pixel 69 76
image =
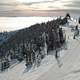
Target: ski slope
pixel 70 69
pixel 49 68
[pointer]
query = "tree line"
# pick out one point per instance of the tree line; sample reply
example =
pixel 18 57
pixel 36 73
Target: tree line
pixel 29 42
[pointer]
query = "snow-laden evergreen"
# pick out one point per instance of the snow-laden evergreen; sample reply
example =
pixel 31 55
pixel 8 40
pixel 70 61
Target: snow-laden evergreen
pixel 50 68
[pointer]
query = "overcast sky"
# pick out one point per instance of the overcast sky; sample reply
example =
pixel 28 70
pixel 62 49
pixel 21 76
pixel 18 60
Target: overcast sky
pixel 35 7
pixel 17 14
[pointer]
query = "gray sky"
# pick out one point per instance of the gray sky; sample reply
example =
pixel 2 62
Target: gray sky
pixel 17 14
pixel 36 7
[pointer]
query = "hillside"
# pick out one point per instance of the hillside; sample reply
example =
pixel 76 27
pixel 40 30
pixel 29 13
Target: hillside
pixel 27 35
pixel 49 68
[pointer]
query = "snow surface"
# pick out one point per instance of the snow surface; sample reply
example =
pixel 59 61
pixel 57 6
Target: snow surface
pixel 49 68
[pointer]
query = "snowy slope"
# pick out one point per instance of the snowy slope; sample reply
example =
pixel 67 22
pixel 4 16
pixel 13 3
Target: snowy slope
pixel 70 69
pixel 19 72
pixel 49 69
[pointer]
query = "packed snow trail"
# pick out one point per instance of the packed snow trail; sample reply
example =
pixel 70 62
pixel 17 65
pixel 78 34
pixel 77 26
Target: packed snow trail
pixel 70 67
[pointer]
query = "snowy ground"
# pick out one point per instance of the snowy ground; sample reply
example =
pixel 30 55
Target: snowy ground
pixel 49 68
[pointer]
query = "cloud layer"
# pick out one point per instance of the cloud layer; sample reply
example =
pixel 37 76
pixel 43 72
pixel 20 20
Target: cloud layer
pixel 36 7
